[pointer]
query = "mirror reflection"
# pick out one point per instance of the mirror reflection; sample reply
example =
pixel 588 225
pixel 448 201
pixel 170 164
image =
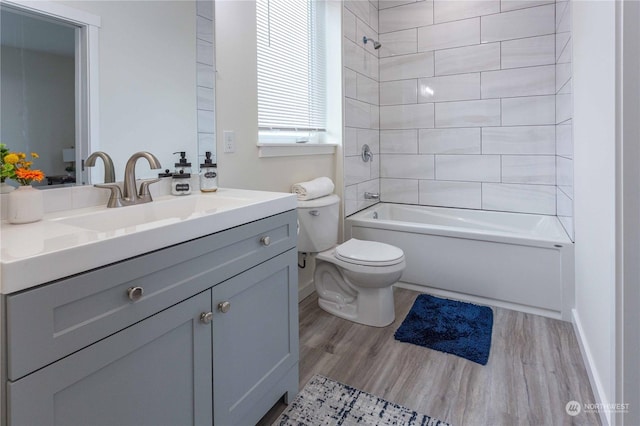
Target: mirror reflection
pixel 37 82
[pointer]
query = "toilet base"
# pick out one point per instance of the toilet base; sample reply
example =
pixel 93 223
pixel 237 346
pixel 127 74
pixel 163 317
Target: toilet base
pixel 373 307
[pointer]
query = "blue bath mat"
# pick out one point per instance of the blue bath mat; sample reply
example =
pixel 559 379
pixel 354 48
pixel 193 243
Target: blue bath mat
pixel 450 326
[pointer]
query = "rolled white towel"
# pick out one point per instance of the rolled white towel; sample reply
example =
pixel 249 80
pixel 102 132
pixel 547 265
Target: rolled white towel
pixel 312 189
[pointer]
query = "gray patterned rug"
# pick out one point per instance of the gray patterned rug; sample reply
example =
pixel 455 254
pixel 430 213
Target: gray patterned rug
pixel 326 402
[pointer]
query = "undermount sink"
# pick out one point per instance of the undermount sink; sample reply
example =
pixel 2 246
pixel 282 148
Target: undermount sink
pixel 151 215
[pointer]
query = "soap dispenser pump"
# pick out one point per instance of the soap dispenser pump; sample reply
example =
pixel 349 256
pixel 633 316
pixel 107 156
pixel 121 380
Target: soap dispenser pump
pixel 208 174
pixel 181 179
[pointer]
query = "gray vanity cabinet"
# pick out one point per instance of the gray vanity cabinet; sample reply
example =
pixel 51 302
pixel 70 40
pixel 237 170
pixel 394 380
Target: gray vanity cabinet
pixel 213 339
pixel 156 372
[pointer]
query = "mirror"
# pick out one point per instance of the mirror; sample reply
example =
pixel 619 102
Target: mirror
pixel 153 85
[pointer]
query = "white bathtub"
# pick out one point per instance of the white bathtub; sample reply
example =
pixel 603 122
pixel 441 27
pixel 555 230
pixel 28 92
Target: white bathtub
pixel 513 260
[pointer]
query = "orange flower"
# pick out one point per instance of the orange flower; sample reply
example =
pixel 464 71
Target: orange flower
pixel 29 175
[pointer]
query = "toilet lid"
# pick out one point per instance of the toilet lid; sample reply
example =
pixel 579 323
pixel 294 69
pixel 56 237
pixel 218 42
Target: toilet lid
pixel 369 253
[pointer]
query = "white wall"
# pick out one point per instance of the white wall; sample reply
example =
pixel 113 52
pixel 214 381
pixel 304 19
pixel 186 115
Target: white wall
pixel 594 167
pixel 147 79
pixel 236 110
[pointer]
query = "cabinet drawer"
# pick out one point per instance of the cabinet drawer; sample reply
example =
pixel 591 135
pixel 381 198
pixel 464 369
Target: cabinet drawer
pixel 52 321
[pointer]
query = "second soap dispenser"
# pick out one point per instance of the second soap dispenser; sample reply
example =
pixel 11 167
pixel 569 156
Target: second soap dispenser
pixel 181 179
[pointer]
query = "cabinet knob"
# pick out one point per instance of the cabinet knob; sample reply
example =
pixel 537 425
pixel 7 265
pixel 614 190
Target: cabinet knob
pixel 265 240
pixel 135 293
pixel 224 307
pixel 206 317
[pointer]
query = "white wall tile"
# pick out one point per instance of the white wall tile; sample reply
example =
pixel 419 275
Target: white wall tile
pixel 374 17
pixel 399 141
pixel 350 199
pixel 204 52
pixel 561 41
pixel 385 4
pixel 561 9
pixel 362 30
pixel 564 25
pixel 507 5
pixel 564 140
pixel 449 88
pixel 528 52
pixel 530 22
pixel 374 116
pixel 205 75
pixel 399 92
pixel 407 166
pixel 204 8
pixel 450 194
pixel 406 66
pixel 357 114
pixel 206 142
pixel 565 204
pixel 354 57
pixel 478 168
pixel 348 24
pixel 565 174
pixel 449 141
pixel 356 170
pixel 206 121
pixel 350 141
pixel 530 110
pixel 367 90
pixel 563 107
pixel 417 116
pixel 399 190
pixel 205 98
pixel 399 43
pixel 370 137
pixel 539 199
pixel 449 34
pixel 563 75
pixel 350 83
pixel 411 15
pixel 566 53
pixel 519 140
pixel 519 82
pixel 468 113
pixel 468 59
pixel 532 169
pixel 204 29
pixel 447 10
pixel 370 65
pixel 359 8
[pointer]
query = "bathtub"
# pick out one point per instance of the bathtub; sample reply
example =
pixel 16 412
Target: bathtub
pixel 512 260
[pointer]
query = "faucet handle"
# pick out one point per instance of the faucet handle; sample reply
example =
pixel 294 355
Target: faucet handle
pixel 144 192
pixel 115 199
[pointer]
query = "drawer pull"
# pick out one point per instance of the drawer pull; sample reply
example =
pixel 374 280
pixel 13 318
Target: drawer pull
pixel 135 293
pixel 206 317
pixel 265 240
pixel 224 307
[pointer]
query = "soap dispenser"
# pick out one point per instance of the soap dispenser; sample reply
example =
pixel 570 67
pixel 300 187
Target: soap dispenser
pixel 208 174
pixel 181 179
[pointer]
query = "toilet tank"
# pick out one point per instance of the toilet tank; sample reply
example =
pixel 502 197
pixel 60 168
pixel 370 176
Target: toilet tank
pixel 318 224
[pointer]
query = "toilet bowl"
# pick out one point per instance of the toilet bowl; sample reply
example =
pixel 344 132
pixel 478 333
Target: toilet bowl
pixel 354 279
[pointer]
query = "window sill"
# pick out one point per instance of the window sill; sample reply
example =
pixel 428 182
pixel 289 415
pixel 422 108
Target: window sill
pixel 293 149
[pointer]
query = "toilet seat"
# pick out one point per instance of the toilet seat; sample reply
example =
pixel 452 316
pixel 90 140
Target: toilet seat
pixel 369 253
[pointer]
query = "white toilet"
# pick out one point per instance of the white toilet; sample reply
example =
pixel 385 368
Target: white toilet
pixel 353 280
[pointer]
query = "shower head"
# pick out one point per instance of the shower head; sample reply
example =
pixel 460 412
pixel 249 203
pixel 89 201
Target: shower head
pixel 376 44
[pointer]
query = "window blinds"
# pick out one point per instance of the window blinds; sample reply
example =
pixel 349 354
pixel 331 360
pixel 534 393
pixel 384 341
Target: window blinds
pixel 291 65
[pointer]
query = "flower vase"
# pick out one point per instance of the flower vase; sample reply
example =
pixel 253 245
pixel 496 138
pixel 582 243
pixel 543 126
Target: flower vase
pixel 5 188
pixel 25 205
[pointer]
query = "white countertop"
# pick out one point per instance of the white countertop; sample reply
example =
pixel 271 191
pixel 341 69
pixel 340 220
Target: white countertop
pixel 74 241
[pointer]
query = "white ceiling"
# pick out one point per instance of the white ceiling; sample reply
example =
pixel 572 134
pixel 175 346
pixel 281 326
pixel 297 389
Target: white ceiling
pixel 31 32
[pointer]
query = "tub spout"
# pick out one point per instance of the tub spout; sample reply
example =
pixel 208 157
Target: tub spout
pixel 371 196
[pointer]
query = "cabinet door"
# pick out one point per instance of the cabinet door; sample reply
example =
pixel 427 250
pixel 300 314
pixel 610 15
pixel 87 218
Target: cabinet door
pixel 156 372
pixel 255 342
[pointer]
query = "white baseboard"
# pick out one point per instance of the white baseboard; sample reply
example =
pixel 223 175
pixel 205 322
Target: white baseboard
pixel 594 377
pixel 305 290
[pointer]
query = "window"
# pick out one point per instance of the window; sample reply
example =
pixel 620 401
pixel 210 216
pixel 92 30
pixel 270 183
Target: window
pixel 291 71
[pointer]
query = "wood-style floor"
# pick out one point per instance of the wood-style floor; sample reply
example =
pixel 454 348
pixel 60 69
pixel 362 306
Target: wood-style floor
pixel 534 368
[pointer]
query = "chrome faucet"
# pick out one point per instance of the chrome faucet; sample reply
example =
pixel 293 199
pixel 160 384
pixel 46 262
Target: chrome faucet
pixel 109 173
pixel 129 195
pixel 371 196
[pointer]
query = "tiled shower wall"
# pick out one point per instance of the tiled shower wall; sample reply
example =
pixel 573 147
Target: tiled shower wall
pixel 360 73
pixel 467 104
pixel 564 115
